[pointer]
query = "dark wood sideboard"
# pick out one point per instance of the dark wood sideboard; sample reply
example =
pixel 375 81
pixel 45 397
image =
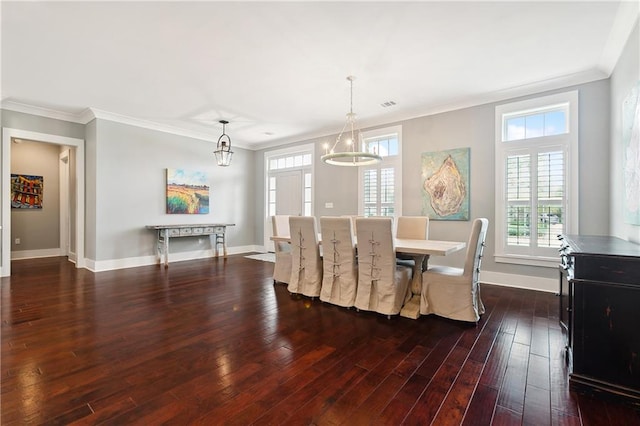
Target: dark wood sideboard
pixel 600 313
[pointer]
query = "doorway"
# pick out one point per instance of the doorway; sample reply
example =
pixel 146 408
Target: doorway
pixel 288 185
pixel 76 192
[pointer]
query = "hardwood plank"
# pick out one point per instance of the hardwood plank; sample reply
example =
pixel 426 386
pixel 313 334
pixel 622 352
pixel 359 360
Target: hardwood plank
pixel 453 408
pixel 481 407
pixel 537 407
pixel 212 341
pixel 505 417
pixel 424 411
pixel 512 392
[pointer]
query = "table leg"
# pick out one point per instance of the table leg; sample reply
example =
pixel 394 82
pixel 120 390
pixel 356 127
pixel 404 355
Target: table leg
pixel 411 309
pixel 224 245
pixel 158 247
pixel 166 249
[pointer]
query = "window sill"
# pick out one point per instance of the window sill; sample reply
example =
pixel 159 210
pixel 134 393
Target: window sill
pixel 545 262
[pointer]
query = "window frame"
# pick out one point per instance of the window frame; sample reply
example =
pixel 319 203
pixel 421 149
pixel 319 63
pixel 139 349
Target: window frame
pixel 394 162
pixel 567 142
pixel 306 169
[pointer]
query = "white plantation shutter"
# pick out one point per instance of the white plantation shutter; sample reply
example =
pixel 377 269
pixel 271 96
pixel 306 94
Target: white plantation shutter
pixel 536 170
pixel 518 199
pixel 380 185
pixel 550 206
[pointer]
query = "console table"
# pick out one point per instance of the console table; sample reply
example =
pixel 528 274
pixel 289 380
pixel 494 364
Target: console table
pixel 217 232
pixel 599 300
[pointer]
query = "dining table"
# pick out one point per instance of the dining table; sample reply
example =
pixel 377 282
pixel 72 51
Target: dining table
pixel 420 251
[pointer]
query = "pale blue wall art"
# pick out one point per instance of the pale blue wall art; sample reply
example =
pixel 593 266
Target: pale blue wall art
pixel 445 184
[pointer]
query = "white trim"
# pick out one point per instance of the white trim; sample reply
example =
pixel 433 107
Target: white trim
pixel 133 262
pixel 10 105
pixel 395 162
pixel 520 281
pixel 7 135
pixel 545 262
pixel 34 254
pixel 625 20
pixel 291 150
pixel 90 114
pixel 165 128
pixel 65 207
pixel 572 163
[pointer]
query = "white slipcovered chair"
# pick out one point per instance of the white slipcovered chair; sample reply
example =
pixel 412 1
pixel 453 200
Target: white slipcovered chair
pixel 383 286
pixel 282 267
pixel 340 269
pixel 454 292
pixel 353 222
pixel 414 228
pixel 306 263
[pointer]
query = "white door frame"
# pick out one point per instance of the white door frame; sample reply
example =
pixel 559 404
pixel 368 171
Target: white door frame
pixel 64 203
pixel 78 144
pixel 310 148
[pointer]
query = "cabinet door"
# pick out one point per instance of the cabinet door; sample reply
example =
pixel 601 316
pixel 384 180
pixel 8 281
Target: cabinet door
pixel 606 340
pixel 565 304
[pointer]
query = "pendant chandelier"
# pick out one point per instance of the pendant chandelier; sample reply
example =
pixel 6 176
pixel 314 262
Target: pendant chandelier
pixel 223 148
pixel 349 152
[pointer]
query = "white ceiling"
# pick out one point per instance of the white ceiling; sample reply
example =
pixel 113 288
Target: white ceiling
pixel 277 70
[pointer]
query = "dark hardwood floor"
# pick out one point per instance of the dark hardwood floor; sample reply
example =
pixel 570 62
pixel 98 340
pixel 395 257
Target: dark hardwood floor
pixel 216 342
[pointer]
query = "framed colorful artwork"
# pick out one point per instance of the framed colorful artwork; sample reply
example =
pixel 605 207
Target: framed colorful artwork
pixel 445 184
pixel 187 192
pixel 26 191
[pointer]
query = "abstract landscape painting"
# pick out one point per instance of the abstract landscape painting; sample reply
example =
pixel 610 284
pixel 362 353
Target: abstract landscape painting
pixel 187 192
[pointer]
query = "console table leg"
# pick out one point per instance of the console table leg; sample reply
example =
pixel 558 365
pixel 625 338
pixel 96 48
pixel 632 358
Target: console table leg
pixel 166 250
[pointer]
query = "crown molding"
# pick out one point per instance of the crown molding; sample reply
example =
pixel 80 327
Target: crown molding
pixel 41 111
pixel 90 114
pixel 626 19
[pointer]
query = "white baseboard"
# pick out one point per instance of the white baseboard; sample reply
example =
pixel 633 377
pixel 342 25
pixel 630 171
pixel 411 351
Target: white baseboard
pixel 33 254
pixel 549 285
pixel 488 277
pixel 133 262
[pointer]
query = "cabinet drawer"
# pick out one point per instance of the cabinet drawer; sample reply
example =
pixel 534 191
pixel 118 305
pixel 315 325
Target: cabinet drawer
pixel 185 231
pixel 174 232
pixel 208 230
pixel 197 231
pixel 218 229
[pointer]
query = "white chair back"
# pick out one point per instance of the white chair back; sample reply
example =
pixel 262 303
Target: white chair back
pixel 413 227
pixel 306 269
pixel 475 248
pixel 382 285
pixel 353 222
pixel 455 292
pixel 280 228
pixel 282 266
pixel 340 269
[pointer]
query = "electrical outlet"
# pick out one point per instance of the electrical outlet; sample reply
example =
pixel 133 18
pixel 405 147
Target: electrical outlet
pixel 17 241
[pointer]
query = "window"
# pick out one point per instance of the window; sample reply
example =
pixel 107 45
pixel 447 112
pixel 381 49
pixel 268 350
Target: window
pixel 288 166
pixel 536 172
pixel 381 185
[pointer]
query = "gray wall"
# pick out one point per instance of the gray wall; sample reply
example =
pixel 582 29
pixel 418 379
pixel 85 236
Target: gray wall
pixel 625 76
pixel 125 174
pixel 37 228
pixel 126 189
pixel 33 123
pixel 475 128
